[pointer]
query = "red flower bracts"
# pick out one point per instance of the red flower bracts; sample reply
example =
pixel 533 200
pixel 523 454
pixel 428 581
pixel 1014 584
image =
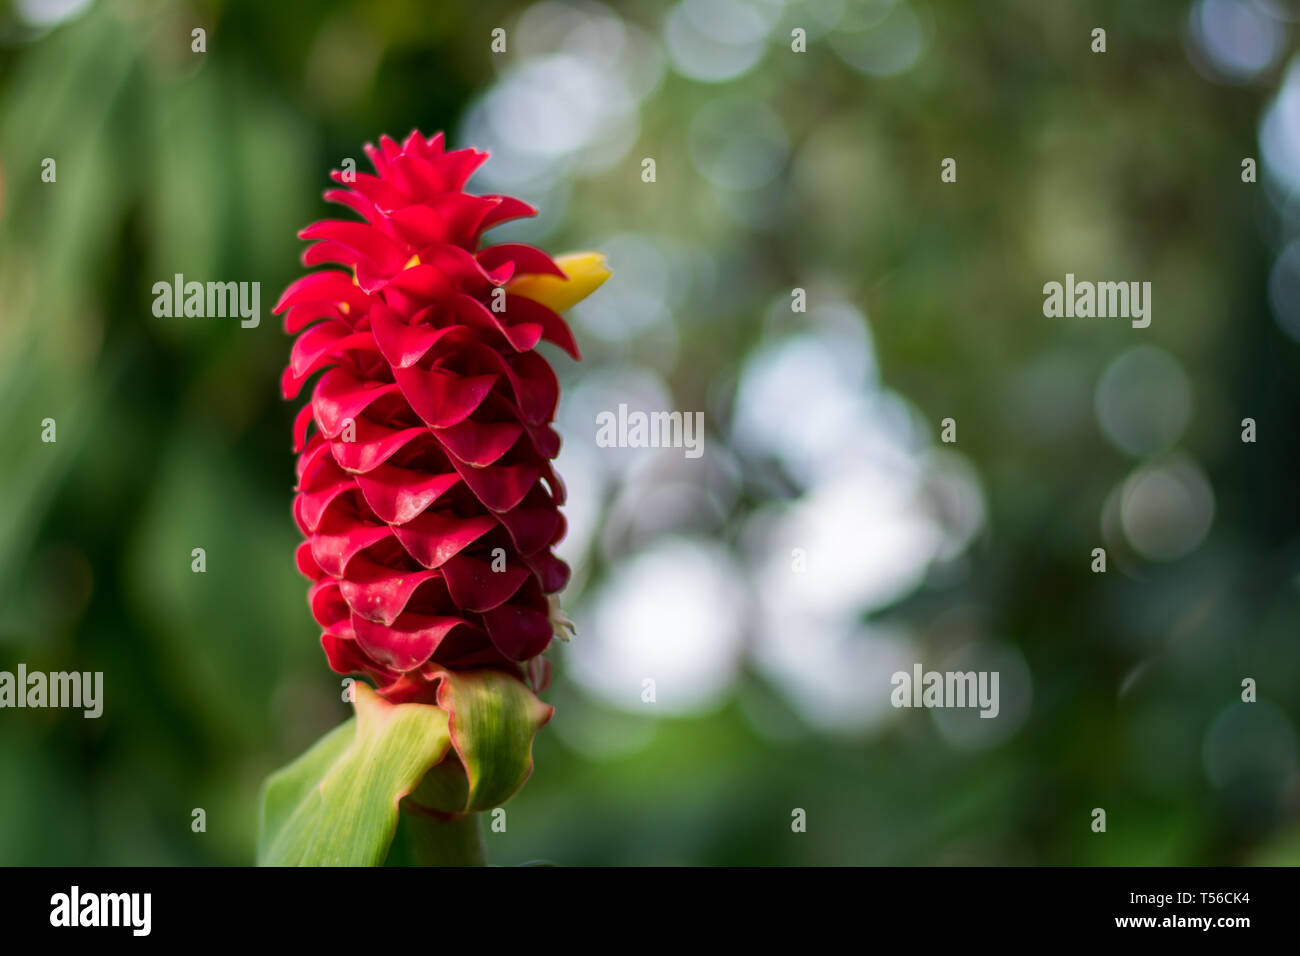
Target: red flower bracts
pixel 425 489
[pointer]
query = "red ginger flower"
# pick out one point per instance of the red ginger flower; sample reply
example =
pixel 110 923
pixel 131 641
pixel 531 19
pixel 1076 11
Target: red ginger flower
pixel 426 492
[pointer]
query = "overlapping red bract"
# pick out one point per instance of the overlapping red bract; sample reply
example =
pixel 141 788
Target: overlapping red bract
pixel 450 464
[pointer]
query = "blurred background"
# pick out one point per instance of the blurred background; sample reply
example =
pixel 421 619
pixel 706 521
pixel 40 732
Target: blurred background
pixel 825 539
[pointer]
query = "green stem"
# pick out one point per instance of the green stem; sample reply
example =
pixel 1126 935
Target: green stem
pixel 427 838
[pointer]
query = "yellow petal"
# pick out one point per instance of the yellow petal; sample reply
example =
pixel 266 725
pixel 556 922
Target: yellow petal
pixel 585 271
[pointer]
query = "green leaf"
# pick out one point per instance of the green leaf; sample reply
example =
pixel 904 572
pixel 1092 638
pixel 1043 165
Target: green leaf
pixel 494 718
pixel 337 804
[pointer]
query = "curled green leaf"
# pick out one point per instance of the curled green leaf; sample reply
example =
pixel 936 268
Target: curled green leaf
pixel 493 719
pixel 337 804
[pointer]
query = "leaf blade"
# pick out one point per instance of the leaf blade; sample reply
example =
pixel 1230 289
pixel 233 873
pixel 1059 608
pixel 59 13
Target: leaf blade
pixel 337 805
pixel 494 718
